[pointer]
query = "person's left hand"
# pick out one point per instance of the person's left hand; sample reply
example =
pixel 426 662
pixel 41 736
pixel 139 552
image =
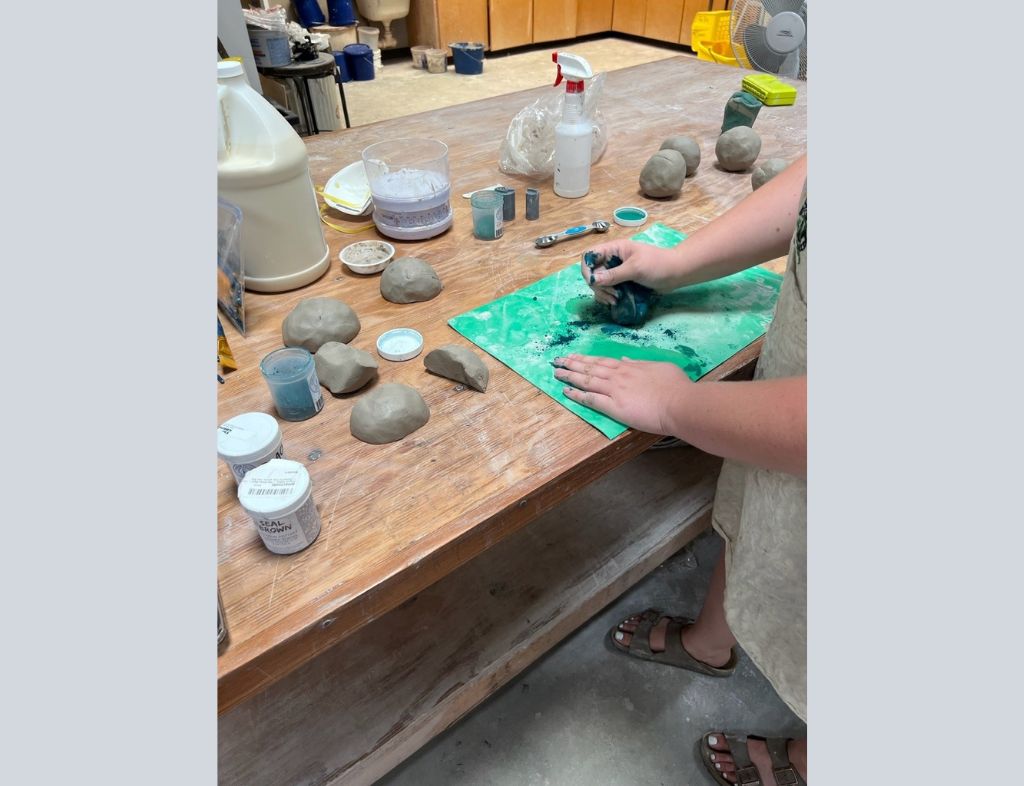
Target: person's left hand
pixel 638 393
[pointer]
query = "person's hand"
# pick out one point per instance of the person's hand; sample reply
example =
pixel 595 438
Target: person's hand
pixel 645 264
pixel 639 393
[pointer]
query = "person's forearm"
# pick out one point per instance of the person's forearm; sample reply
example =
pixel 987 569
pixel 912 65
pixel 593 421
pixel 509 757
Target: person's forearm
pixel 756 230
pixel 762 423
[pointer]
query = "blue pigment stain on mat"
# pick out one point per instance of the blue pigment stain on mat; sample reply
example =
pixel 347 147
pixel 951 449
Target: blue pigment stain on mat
pixel 696 327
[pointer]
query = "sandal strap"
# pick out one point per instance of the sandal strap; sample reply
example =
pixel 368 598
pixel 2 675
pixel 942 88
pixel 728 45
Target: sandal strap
pixel 746 772
pixel 641 639
pixel 738 750
pixel 673 643
pixel 783 769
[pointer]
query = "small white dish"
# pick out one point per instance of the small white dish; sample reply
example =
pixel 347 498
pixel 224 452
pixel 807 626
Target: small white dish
pixel 367 256
pixel 400 344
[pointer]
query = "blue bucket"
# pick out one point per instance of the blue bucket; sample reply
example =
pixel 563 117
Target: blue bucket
pixel 468 58
pixel 309 13
pixel 339 59
pixel 359 59
pixel 340 13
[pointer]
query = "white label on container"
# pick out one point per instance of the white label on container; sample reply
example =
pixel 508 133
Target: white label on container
pixel 239 470
pixel 499 213
pixel 316 392
pixel 291 533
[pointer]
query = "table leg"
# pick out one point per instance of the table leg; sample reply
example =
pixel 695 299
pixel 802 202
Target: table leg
pixel 308 96
pixel 344 106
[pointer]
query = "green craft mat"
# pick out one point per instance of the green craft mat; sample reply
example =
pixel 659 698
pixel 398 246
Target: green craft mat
pixel 696 327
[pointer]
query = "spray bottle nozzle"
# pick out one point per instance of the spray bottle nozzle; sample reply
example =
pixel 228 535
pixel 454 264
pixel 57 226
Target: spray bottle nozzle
pixel 554 59
pixel 575 68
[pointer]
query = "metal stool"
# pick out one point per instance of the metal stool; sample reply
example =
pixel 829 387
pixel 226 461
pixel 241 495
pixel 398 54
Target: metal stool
pixel 302 72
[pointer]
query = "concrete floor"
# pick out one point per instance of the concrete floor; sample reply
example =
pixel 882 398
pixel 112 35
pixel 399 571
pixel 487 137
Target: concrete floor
pixel 403 90
pixel 586 716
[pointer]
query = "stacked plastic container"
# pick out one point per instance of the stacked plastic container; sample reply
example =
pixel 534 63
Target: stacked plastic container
pixel 371 37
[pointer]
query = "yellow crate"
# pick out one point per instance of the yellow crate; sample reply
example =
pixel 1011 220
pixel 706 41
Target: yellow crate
pixel 709 37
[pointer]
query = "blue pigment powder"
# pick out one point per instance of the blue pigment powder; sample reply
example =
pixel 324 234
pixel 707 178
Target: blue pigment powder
pixel 635 301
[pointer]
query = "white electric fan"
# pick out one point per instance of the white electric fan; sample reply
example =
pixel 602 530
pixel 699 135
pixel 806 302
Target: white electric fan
pixel 771 36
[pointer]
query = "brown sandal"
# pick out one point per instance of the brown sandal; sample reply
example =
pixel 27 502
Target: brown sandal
pixel 746 773
pixel 673 654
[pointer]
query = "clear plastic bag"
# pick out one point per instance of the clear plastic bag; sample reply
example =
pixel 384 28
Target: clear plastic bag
pixel 230 274
pixel 529 144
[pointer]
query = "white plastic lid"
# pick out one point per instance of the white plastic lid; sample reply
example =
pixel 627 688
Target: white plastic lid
pixel 630 216
pixel 276 488
pixel 247 437
pixel 226 68
pixel 400 344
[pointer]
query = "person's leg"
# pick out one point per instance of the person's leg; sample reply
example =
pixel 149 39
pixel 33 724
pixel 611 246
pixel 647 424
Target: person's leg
pixel 709 638
pixel 797 750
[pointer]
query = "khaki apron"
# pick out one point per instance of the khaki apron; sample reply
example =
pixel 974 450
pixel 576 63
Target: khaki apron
pixel 762 515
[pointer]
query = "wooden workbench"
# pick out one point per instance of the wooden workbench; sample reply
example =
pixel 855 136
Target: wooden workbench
pixel 336 668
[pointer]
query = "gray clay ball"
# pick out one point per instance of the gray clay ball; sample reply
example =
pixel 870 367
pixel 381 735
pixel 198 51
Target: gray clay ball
pixel 738 148
pixel 317 320
pixel 343 369
pixel 409 280
pixel 766 171
pixel 388 413
pixel 458 363
pixel 663 174
pixel 689 149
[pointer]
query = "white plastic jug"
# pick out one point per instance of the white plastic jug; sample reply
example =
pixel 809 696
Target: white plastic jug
pixel 263 167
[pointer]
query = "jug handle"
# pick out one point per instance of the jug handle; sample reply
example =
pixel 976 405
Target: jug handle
pixel 223 145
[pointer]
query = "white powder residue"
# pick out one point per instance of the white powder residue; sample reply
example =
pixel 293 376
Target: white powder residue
pixel 410 184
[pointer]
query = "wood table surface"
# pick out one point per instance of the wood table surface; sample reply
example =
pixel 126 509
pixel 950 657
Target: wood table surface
pixel 399 517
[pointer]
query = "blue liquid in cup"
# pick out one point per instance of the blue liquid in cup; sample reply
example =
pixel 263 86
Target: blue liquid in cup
pixel 291 376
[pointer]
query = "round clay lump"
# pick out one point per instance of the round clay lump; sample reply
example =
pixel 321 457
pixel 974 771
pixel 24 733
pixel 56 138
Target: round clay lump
pixel 343 369
pixel 458 363
pixel 688 148
pixel 388 413
pixel 663 174
pixel 738 148
pixel 409 280
pixel 317 320
pixel 766 171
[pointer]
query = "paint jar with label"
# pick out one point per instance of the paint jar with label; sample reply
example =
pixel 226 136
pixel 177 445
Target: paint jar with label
pixel 487 215
pixel 278 496
pixel 247 441
pixel 291 376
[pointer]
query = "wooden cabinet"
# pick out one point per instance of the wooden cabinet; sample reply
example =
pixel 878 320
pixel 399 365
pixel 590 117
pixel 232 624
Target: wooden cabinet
pixel 461 20
pixel 629 16
pixel 690 10
pixel 593 16
pixel 662 20
pixel 504 24
pixel 511 23
pixel 554 19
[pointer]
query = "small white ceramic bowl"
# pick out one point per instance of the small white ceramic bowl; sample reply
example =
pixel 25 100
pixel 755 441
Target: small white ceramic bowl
pixel 367 256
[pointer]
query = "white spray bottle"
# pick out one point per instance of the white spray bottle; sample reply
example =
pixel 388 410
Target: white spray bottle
pixel 574 134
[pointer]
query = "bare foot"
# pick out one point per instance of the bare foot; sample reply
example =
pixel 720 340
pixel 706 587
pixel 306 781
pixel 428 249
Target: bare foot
pixel 723 761
pixel 716 657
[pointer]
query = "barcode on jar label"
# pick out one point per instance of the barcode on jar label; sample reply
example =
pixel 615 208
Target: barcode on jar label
pixel 260 492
